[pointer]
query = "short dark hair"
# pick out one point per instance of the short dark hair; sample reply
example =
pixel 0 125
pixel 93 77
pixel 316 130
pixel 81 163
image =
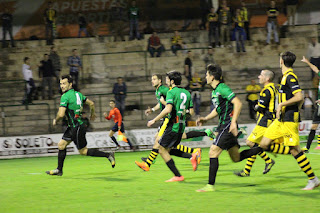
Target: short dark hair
pixel 45 54
pixel 175 76
pixel 112 101
pixel 158 76
pixel 69 77
pixel 288 58
pixel 215 70
pixel 25 59
pixel 52 47
pixel 74 50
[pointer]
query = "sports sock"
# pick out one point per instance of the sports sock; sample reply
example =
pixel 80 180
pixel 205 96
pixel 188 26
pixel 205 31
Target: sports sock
pixel 97 153
pixel 213 169
pixel 180 153
pixel 304 164
pixel 194 134
pixel 185 148
pixel 280 149
pixel 249 164
pixel 61 156
pixel 312 133
pixel 173 168
pixel 318 140
pixel 249 152
pixel 265 157
pixel 114 140
pixel 130 144
pixel 152 156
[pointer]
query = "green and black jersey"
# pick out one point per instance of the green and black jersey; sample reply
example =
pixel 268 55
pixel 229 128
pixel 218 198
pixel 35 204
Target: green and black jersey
pixel 221 98
pixel 73 101
pixel 266 105
pixel 161 92
pixel 181 101
pixel 288 87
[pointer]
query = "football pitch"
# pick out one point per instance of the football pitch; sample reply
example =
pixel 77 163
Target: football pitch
pixel 90 185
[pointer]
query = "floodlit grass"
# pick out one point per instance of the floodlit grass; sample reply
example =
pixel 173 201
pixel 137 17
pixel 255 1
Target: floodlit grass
pixel 90 185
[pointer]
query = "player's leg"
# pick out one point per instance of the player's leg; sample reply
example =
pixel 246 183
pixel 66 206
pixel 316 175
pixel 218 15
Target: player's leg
pixel 250 161
pixel 123 132
pixel 62 146
pixel 164 152
pixel 111 133
pixel 312 133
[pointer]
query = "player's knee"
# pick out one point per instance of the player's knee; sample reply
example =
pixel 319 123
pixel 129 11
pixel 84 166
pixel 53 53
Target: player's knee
pixel 62 145
pixel 235 158
pixel 83 151
pixel 249 143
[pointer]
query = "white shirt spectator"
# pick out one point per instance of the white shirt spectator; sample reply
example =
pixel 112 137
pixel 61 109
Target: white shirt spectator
pixel 313 51
pixel 27 72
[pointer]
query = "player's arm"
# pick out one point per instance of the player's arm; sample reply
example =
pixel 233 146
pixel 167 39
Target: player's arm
pixel 150 110
pixel 237 105
pixel 119 116
pixel 313 67
pixel 108 117
pixel 60 115
pixel 92 109
pixel 163 113
pixel 263 101
pixel 212 115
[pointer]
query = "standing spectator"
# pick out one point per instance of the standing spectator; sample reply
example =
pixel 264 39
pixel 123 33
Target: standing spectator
pixel 205 9
pixel 307 106
pixel 176 42
pixel 55 59
pixel 154 45
pixel 6 19
pixel 50 16
pixel 313 54
pixel 272 23
pixel 291 10
pixel 208 58
pixel 252 90
pixel 117 21
pixel 213 22
pixel 225 21
pixel 28 77
pixel 245 15
pixel 188 66
pixel 120 93
pixel 134 21
pixel 74 62
pixel 46 72
pixel 239 33
pixel 82 25
pixel 196 86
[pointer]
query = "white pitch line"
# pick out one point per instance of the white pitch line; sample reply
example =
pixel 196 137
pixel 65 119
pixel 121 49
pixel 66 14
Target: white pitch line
pixel 34 173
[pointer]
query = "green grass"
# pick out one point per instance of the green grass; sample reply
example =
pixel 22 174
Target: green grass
pixel 91 185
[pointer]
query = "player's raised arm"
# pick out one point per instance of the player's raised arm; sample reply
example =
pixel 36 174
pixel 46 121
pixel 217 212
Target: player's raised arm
pixel 313 67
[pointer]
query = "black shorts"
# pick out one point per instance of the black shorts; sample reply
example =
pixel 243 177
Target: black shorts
pixel 225 139
pixel 170 139
pixel 115 128
pixel 77 135
pixel 316 117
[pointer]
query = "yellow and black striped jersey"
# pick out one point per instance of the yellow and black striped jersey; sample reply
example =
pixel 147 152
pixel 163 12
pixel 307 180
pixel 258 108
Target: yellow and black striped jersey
pixel 266 105
pixel 288 87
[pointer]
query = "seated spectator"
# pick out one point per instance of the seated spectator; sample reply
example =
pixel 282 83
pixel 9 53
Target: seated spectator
pixel 195 87
pixel 208 58
pixel 28 77
pixel 188 66
pixel 176 42
pixel 82 25
pixel 154 45
pixel 47 74
pixel 239 33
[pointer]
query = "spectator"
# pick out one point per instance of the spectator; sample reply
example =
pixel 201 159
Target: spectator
pixel 117 21
pixel 291 10
pixel 120 93
pixel 208 58
pixel 188 66
pixel 238 31
pixel 55 59
pixel 308 106
pixel 50 16
pixel 74 62
pixel 205 9
pixel 225 21
pixel 252 97
pixel 196 86
pixel 313 54
pixel 213 22
pixel 28 77
pixel 134 21
pixel 272 23
pixel 82 25
pixel 176 42
pixel 245 15
pixel 148 29
pixel 6 19
pixel 46 72
pixel 154 45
